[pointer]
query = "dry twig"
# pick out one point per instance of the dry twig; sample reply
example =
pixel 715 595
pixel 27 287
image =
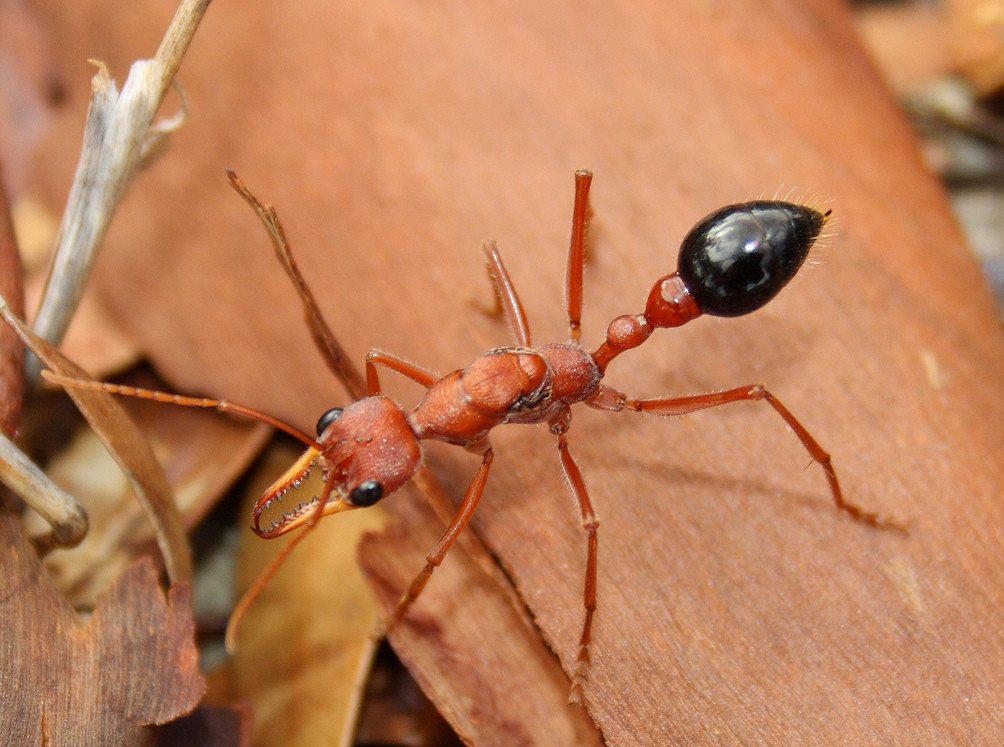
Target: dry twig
pixel 117 136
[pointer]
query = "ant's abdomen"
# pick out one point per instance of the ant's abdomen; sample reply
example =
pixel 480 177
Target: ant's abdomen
pixel 464 405
pixel 739 257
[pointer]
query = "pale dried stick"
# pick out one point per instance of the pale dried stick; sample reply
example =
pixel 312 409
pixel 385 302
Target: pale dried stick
pixel 67 519
pixel 117 135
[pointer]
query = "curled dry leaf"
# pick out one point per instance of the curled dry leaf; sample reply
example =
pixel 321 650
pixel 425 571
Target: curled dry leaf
pixel 202 454
pixel 100 680
pixel 66 519
pixel 127 446
pixel 11 351
pixel 306 645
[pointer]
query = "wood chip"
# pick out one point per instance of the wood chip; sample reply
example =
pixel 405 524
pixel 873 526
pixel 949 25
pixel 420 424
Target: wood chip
pixel 95 680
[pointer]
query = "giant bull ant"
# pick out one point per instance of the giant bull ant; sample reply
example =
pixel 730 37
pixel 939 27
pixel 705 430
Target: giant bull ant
pixel 731 263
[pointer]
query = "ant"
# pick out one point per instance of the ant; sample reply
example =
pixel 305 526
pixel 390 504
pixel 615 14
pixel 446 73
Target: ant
pixel 731 263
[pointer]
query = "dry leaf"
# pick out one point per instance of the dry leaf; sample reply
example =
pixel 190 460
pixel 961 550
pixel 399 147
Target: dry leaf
pixel 917 44
pixel 464 641
pixel 99 680
pixel 94 341
pixel 306 645
pixel 202 454
pixel 36 229
pixel 127 446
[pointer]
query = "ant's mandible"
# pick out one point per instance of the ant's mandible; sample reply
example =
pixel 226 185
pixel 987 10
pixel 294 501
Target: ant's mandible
pixel 731 263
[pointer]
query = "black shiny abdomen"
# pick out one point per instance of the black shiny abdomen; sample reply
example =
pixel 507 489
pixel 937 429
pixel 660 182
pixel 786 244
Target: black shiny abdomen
pixel 738 258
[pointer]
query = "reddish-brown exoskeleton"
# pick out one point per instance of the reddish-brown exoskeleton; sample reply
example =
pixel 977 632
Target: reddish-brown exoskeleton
pixel 731 263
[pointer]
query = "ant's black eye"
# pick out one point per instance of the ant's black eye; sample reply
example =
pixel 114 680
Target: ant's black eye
pixel 366 494
pixel 327 419
pixel 740 257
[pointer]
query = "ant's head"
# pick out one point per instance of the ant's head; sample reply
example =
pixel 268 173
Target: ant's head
pixel 368 449
pixel 739 257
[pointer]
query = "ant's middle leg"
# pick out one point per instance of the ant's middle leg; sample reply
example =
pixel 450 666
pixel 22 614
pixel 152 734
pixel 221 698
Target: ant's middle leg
pixel 438 553
pixel 590 524
pixel 379 358
pixel 609 399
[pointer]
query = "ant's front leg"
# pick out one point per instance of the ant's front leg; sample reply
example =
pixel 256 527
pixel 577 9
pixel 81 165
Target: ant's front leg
pixel 606 398
pixel 438 553
pixel 506 297
pixel 379 358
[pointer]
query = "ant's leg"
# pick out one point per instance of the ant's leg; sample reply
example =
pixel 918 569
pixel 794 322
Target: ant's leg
pixel 590 523
pixel 331 350
pixel 506 294
pixel 577 252
pixel 436 555
pixel 379 358
pixel 176 399
pixel 683 405
pixel 263 579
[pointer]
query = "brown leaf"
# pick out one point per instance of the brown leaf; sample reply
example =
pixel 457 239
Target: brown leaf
pixel 734 604
pixel 94 341
pixel 305 647
pixel 129 449
pixel 28 91
pixel 98 680
pixel 463 640
pixel 918 44
pixel 396 711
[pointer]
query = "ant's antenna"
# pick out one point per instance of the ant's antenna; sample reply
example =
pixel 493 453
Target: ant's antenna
pixel 332 351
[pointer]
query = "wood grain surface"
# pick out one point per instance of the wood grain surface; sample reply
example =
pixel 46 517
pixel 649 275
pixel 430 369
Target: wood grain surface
pixel 72 679
pixel 735 604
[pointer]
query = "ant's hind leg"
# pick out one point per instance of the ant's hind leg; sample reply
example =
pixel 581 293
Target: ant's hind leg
pixel 436 555
pixel 611 400
pixel 590 524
